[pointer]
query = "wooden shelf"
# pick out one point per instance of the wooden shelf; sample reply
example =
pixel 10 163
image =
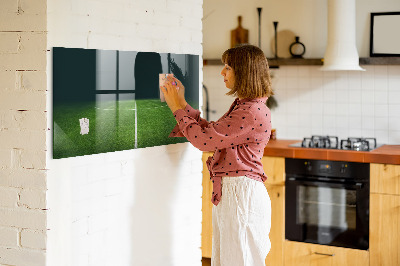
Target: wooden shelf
pixel 380 61
pixel 273 63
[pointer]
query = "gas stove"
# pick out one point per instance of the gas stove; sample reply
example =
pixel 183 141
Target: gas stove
pixel 332 142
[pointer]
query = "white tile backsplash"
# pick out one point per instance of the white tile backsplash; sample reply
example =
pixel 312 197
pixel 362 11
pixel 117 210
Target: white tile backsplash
pixel 343 103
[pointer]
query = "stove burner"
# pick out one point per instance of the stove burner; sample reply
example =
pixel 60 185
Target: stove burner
pixel 328 142
pixel 358 144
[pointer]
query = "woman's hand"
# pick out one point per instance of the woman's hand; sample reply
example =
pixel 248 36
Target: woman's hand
pixel 172 94
pixel 181 91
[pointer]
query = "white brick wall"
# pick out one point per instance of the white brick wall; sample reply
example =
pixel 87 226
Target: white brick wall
pixel 100 206
pixel 136 207
pixel 23 218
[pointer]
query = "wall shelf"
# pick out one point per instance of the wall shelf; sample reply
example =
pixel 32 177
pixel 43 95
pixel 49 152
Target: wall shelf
pixel 274 63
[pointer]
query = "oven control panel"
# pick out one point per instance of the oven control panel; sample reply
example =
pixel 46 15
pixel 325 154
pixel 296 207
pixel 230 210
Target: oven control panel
pixel 338 169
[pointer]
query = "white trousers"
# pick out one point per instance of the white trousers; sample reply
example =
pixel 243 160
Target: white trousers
pixel 241 223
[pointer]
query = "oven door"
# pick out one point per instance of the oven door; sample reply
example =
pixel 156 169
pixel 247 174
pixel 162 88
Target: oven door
pixel 327 213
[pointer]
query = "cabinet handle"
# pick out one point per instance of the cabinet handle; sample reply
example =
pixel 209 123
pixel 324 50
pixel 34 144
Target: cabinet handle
pixel 325 254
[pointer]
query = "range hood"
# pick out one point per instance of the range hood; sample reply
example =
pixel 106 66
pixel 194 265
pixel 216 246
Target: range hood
pixel 341 51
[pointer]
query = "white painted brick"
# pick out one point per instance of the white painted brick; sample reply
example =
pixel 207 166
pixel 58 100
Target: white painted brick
pixel 8 6
pixel 191 23
pixel 36 7
pixel 23 100
pixel 34 140
pixel 33 239
pixel 31 80
pixel 34 120
pixel 31 53
pixel 33 159
pixel 17 256
pixel 8 197
pixel 33 199
pixel 107 42
pixel 5 158
pixel 98 222
pixel 9 42
pixel 20 217
pixel 23 178
pixel 7 80
pixel 23 22
pixel 9 237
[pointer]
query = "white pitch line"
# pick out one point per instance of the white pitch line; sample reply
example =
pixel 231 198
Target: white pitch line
pixel 136 126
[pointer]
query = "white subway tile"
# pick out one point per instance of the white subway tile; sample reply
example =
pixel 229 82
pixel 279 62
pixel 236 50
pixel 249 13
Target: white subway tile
pixel 394 83
pixel 355 132
pixel 381 110
pixel 342 109
pixel 291 71
pixel 329 109
pixel 394 123
pixel 367 96
pixel 342 97
pixel 393 71
pixel 394 110
pixel 368 110
pixel 342 122
pixel 382 123
pixel 368 123
pixel 381 97
pixel 292 83
pixel 355 96
pixel 355 122
pixel 380 71
pixel 304 73
pixel 394 137
pixel 380 84
pixel 394 97
pixel 382 136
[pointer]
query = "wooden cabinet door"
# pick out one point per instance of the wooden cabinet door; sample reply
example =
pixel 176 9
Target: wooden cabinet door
pixel 305 254
pixel 384 236
pixel 277 233
pixel 385 178
pixel 206 232
pixel 274 168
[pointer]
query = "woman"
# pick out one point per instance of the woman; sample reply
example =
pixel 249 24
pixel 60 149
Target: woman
pixel 242 209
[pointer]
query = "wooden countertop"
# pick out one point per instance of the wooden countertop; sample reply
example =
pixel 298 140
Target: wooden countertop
pixel 389 154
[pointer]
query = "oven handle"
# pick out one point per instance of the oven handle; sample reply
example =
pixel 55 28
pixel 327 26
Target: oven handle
pixel 357 185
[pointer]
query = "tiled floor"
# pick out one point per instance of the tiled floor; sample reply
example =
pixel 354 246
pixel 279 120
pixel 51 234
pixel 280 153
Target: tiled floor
pixel 206 261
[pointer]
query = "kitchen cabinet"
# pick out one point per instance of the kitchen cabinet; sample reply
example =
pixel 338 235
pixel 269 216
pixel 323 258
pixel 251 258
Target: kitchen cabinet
pixel 206 225
pixel 274 168
pixel 385 214
pixel 305 254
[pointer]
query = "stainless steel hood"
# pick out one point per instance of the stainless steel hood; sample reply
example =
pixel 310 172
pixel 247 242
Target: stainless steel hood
pixel 341 51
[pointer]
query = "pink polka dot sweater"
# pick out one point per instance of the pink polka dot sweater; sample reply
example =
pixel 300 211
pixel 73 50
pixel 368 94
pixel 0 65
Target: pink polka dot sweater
pixel 238 139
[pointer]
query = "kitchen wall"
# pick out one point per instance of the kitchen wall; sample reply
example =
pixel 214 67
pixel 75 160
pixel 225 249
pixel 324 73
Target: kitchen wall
pixel 311 102
pixel 135 207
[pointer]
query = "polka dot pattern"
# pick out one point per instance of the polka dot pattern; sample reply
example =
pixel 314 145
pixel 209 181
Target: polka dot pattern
pixel 238 139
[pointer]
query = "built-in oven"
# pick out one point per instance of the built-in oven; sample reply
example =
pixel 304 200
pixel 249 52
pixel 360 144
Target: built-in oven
pixel 327 202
